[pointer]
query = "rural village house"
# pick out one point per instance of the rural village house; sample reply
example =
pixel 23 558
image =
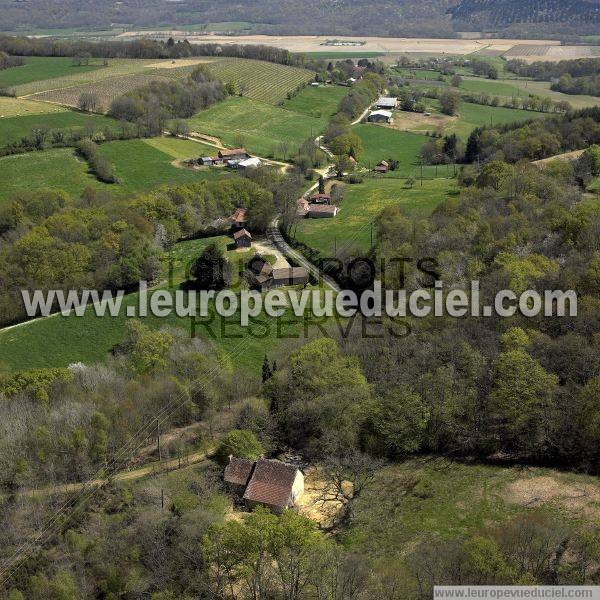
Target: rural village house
pixel 382 166
pixel 270 483
pixel 238 218
pixel 263 276
pixel 386 102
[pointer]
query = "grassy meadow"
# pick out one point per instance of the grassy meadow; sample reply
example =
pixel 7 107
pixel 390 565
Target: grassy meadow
pixel 383 143
pixel 38 68
pixel 262 128
pixel 12 129
pixel 317 102
pixel 19 107
pixel 361 205
pixel 139 164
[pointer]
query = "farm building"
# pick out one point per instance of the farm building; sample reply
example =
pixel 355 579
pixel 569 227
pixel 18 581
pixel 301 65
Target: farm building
pixel 380 116
pixel 249 163
pixel 290 276
pixel 206 161
pixel 238 218
pixel 322 211
pixel 320 199
pixel 242 238
pixel 261 273
pixel 382 167
pixel 271 483
pixel 233 154
pixel 386 102
pixel 302 205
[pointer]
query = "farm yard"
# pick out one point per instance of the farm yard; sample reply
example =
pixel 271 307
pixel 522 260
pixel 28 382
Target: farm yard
pixel 361 205
pixel 265 130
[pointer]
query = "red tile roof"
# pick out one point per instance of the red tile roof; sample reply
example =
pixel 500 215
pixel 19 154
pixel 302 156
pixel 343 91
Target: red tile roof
pixel 238 471
pixel 271 483
pixel 225 153
pixel 239 215
pixel 241 233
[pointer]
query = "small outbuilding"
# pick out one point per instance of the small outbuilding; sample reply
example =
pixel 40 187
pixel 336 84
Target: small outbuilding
pixel 238 218
pixel 386 102
pixel 237 474
pixel 242 239
pixel 233 154
pixel 320 199
pixel 249 163
pixel 206 161
pixel 322 211
pixel 380 116
pixel 382 166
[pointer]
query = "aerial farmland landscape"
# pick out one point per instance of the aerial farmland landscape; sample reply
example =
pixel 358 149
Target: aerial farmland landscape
pixel 299 301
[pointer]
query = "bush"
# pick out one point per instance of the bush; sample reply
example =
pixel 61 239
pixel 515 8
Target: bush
pixel 240 443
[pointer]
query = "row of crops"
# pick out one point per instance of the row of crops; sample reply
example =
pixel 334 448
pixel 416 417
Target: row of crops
pixel 257 80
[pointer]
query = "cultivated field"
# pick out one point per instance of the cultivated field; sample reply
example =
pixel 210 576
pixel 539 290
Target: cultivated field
pixel 106 90
pixel 361 205
pixel 37 68
pixel 265 130
pixel 534 52
pixel 260 80
pixel 542 88
pixel 18 107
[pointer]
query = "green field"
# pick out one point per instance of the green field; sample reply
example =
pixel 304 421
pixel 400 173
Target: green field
pixel 542 88
pixel 259 80
pixel 19 107
pixel 37 68
pixel 62 340
pixel 58 168
pixel 260 127
pixel 362 203
pixel 14 128
pixel 493 88
pixel 181 149
pixel 138 164
pixel 47 78
pixel 382 143
pixel 317 102
pixel 451 500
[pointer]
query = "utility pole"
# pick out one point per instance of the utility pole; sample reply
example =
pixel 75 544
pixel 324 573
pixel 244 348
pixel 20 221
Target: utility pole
pixel 162 499
pixel 371 234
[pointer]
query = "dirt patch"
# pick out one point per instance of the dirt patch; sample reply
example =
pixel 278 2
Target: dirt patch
pixel 206 138
pixel 581 498
pixel 565 156
pixel 178 62
pixel 310 507
pixel 412 121
pixel 267 248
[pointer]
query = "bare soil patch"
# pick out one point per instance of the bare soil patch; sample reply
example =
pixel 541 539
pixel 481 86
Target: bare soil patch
pixel 580 498
pixel 575 154
pixel 178 62
pixel 310 507
pixel 407 121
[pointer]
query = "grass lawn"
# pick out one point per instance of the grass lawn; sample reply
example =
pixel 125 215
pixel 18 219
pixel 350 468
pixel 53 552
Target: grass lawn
pixel 260 127
pixel 382 143
pixel 492 87
pixel 60 341
pixel 361 205
pixel 450 500
pixel 542 88
pixel 141 166
pixel 58 168
pixel 138 164
pixel 181 149
pixel 317 102
pixel 12 129
pixel 37 68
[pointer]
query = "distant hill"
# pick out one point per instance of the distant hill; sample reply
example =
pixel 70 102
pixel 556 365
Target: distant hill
pixel 397 18
pixel 535 16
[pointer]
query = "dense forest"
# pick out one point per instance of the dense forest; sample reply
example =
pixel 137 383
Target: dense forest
pixel 432 18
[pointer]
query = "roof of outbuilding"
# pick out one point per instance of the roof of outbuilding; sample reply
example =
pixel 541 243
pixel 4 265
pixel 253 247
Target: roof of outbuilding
pixel 239 214
pixel 241 233
pixel 238 471
pixel 271 483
